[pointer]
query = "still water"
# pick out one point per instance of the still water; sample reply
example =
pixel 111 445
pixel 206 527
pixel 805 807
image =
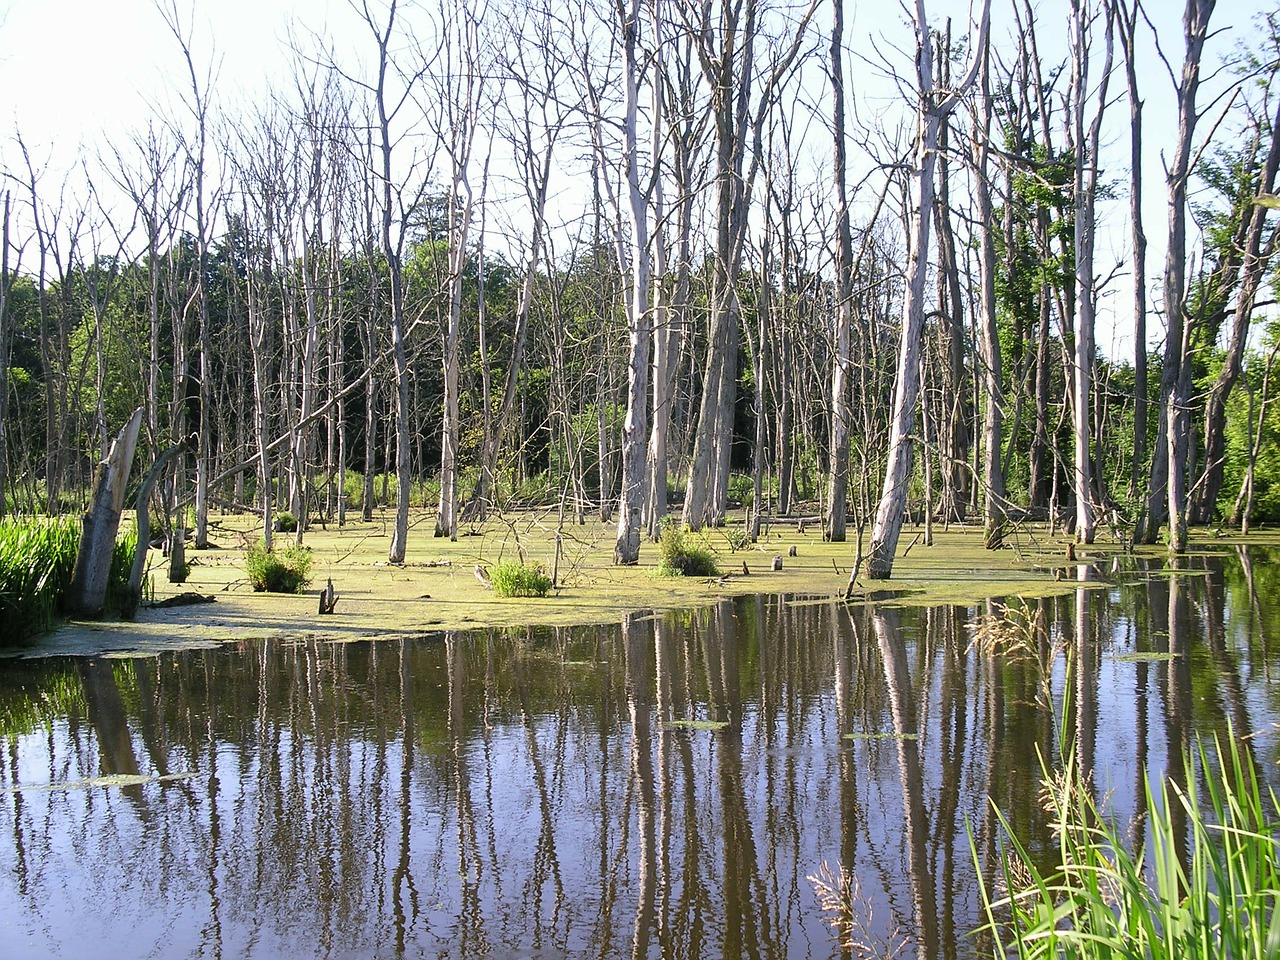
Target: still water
pixel 660 788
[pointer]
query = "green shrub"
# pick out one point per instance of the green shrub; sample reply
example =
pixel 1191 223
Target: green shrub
pixel 278 571
pixel 679 557
pixel 286 522
pixel 511 578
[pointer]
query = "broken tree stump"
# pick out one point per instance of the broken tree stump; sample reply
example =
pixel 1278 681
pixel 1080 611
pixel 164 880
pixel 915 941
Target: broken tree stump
pixel 88 594
pixel 328 599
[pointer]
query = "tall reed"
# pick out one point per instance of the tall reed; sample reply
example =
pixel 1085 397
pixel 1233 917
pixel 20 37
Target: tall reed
pixel 37 557
pixel 1205 885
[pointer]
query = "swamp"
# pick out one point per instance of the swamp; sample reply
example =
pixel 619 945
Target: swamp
pixel 640 479
pixel 667 778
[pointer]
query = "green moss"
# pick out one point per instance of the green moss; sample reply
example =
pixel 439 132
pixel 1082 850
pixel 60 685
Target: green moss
pixel 435 589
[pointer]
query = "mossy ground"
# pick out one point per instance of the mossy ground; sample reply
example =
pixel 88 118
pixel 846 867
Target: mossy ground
pixel 436 587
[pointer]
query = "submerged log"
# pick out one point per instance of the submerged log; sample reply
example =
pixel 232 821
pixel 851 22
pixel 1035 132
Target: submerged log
pixel 88 594
pixel 187 599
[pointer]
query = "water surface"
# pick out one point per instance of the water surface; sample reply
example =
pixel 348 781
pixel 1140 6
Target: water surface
pixel 660 788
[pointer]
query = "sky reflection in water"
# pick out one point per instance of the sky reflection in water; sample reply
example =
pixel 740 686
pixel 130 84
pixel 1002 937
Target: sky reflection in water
pixel 538 793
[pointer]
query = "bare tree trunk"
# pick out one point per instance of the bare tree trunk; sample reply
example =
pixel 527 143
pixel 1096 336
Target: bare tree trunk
pixel 1128 22
pixel 88 592
pixel 838 490
pixel 639 320
pixel 993 513
pixel 1085 192
pixel 1166 492
pixel 933 108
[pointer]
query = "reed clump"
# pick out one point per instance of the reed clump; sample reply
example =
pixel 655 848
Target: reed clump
pixel 511 578
pixel 1217 896
pixel 278 571
pixel 37 557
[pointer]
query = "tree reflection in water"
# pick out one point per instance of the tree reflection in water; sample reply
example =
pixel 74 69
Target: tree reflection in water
pixel 657 789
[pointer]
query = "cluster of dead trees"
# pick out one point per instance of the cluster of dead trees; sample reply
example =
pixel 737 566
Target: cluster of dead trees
pixel 593 252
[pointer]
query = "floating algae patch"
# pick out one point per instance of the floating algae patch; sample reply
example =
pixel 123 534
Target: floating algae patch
pixel 696 724
pixel 116 780
pixel 881 735
pixel 1141 657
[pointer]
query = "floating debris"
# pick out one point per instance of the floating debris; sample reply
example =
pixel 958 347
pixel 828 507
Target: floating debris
pixel 110 780
pixel 696 724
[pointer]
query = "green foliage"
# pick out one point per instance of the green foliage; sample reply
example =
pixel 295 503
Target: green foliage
pixel 742 490
pixel 738 537
pixel 278 571
pixel 118 578
pixel 286 522
pixel 679 557
pixel 37 558
pixel 1218 897
pixel 511 578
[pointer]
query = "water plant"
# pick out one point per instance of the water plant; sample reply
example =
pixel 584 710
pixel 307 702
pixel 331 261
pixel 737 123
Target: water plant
pixel 278 571
pixel 37 557
pixel 511 578
pixel 1216 895
pixel 679 556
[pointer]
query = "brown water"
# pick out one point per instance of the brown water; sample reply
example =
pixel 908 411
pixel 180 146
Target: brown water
pixel 530 794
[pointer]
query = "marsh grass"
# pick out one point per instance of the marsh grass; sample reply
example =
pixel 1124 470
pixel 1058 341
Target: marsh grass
pixel 37 558
pixel 1220 897
pixel 680 556
pixel 511 578
pixel 278 571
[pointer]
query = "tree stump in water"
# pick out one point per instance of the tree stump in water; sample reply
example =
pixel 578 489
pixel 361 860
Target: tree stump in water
pixel 328 599
pixel 88 595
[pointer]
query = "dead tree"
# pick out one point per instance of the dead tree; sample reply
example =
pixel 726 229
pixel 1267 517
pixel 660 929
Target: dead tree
pixel 934 105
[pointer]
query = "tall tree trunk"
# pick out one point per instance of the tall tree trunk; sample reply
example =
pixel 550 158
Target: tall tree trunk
pixel 635 428
pixel 1087 143
pixel 933 108
pixel 838 491
pixel 1167 482
pixel 1128 22
pixel 993 513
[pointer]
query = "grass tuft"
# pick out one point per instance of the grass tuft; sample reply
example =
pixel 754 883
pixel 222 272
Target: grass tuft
pixel 278 571
pixel 678 556
pixel 37 558
pixel 511 578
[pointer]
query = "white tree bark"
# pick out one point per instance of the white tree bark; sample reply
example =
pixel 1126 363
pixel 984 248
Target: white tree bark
pixel 934 106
